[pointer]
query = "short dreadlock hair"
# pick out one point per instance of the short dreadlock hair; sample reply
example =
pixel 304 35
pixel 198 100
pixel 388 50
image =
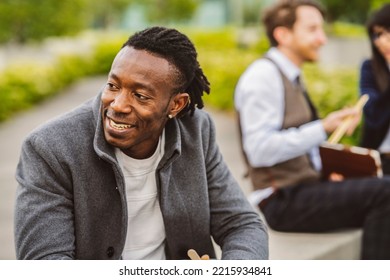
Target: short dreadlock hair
pixel 179 51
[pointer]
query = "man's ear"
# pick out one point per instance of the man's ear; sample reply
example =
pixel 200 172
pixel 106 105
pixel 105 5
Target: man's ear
pixel 282 35
pixel 178 103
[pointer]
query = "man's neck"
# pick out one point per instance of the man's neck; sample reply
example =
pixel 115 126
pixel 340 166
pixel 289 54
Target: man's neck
pixel 292 56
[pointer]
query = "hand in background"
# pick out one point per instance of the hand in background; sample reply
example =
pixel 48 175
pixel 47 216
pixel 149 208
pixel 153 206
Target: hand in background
pixel 335 177
pixel 334 120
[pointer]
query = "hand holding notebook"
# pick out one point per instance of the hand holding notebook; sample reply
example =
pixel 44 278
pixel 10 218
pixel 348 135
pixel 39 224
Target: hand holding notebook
pixel 350 162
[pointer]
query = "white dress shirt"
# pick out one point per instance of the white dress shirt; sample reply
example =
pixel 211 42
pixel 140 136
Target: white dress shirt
pixel 259 98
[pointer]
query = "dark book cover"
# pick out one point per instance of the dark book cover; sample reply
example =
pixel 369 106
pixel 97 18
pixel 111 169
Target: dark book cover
pixel 350 161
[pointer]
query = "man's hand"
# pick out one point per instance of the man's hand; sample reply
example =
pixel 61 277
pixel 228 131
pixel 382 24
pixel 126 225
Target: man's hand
pixel 334 120
pixel 335 177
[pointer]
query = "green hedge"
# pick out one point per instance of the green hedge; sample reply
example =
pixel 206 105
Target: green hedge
pixel 223 59
pixel 221 56
pixel 24 84
pixel 333 90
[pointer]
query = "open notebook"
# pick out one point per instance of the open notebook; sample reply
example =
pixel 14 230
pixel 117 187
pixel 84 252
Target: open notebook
pixel 351 162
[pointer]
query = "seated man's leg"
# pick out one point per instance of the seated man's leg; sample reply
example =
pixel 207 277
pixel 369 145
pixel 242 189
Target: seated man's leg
pixel 326 206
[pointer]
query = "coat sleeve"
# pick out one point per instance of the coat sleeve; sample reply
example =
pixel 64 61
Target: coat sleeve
pixel 44 222
pixel 376 111
pixel 234 224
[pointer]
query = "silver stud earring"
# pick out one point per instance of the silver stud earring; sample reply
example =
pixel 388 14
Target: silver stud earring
pixel 170 116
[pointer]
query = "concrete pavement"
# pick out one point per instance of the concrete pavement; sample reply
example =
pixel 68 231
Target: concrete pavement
pixel 15 130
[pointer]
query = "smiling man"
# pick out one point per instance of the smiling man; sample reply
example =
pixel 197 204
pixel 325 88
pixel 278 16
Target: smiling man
pixel 281 133
pixel 135 173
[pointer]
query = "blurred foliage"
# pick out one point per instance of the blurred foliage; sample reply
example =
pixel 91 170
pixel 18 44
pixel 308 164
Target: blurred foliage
pixel 346 29
pixel 27 20
pixel 104 52
pixel 24 84
pixel 33 20
pixel 354 11
pixel 351 11
pixel 331 90
pixel 106 13
pixel 16 84
pixel 166 11
pixel 24 20
pixel 251 12
pixel 223 59
pixel 376 4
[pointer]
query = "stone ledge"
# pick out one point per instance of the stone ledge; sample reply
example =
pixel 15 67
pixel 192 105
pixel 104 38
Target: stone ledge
pixel 338 245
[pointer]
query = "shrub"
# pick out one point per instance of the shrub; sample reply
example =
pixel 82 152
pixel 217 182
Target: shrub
pixel 223 59
pixel 23 85
pixel 332 90
pixel 104 53
pixel 223 70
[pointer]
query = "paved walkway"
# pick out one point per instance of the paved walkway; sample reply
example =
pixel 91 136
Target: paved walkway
pixel 14 131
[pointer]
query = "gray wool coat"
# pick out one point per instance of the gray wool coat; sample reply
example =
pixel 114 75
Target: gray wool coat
pixel 71 200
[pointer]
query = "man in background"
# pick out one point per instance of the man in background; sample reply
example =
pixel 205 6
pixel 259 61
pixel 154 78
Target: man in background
pixel 281 133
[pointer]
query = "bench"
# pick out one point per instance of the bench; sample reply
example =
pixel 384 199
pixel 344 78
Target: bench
pixel 335 245
pixel 338 245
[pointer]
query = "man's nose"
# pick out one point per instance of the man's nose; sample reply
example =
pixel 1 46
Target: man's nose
pixel 122 102
pixel 322 37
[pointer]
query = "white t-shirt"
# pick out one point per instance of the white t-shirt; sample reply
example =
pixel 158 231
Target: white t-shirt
pixel 145 231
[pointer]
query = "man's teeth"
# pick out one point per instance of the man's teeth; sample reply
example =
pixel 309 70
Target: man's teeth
pixel 119 126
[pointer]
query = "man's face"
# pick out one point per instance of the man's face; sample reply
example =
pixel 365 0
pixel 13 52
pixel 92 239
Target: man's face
pixel 307 34
pixel 136 101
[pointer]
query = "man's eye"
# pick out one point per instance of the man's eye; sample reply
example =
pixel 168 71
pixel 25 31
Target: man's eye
pixel 111 86
pixel 377 35
pixel 140 96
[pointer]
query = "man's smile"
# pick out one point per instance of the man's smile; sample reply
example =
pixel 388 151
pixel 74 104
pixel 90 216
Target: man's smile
pixel 119 126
